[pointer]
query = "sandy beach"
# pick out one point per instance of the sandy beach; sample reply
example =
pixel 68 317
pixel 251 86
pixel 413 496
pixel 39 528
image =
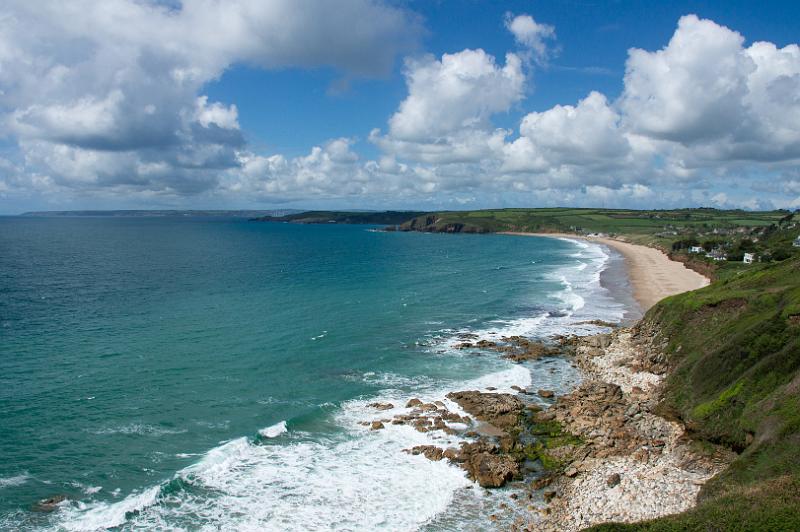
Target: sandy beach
pixel 652 274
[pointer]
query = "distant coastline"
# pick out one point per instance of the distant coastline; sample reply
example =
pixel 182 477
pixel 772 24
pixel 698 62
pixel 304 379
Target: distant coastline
pixel 157 213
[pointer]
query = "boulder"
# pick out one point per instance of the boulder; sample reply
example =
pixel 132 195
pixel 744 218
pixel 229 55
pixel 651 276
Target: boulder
pixel 543 481
pixel 431 452
pixel 599 340
pixel 50 504
pixel 547 394
pixel 381 406
pixel 499 409
pixel 522 349
pixel 376 425
pixel 613 480
pixel 452 454
pixel 491 470
pixel 413 402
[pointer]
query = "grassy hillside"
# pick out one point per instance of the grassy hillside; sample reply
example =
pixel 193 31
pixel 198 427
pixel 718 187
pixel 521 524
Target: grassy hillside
pixel 612 221
pixel 768 234
pixel 344 217
pixel 735 352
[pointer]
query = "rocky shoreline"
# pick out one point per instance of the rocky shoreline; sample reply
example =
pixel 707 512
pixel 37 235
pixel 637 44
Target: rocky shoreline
pixel 632 464
pixel 597 454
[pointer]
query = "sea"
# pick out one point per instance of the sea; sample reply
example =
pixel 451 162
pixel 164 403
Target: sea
pixel 189 373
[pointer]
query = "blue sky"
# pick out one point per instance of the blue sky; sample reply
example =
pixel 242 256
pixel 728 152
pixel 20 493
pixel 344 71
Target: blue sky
pixel 593 38
pixel 372 104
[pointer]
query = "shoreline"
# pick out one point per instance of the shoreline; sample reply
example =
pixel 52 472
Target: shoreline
pixel 632 465
pixel 652 274
pixel 617 459
pixel 617 280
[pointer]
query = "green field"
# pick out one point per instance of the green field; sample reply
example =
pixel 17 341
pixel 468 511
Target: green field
pixel 632 223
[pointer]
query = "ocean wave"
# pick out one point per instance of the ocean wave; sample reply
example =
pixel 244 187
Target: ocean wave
pixel 16 480
pixel 582 291
pixel 579 299
pixel 273 431
pixel 304 486
pixel 391 380
pixel 140 429
pixel 362 480
pixel 86 489
pixel 570 297
pixel 100 515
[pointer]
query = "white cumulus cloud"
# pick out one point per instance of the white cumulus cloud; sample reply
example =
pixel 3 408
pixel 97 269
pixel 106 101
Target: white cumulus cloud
pixel 531 34
pixel 109 98
pixel 107 94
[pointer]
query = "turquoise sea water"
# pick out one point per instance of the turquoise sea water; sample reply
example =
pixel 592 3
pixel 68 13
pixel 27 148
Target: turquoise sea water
pixel 194 373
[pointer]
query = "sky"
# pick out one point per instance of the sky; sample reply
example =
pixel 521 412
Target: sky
pixel 376 104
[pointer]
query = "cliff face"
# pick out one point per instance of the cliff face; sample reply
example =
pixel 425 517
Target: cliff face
pixel 733 356
pixel 432 223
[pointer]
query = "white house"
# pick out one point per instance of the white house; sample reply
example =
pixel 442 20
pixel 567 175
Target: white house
pixel 696 249
pixel 748 258
pixel 716 254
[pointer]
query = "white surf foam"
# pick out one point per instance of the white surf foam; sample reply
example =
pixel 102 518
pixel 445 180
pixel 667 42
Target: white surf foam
pixel 580 298
pixel 16 480
pixel 274 431
pixel 360 481
pixel 100 516
pixel 140 429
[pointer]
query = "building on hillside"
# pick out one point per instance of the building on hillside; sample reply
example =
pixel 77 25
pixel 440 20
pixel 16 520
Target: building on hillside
pixel 748 258
pixel 696 249
pixel 796 242
pixel 716 254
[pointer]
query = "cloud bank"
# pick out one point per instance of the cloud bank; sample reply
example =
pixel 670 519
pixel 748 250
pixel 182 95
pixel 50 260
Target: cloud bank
pixel 106 100
pixel 106 97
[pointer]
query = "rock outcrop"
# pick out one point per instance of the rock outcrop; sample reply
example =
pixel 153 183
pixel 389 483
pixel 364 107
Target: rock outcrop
pixel 491 455
pixel 501 410
pixel 624 462
pixel 50 504
pixel 491 469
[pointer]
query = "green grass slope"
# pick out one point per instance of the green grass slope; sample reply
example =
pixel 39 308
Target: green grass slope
pixel 344 217
pixel 631 223
pixel 735 352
